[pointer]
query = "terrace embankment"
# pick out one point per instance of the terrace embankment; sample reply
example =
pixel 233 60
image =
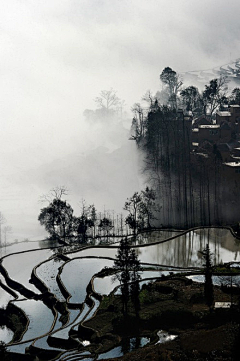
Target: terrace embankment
pixel 177 305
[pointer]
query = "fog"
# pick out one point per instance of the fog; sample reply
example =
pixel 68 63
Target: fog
pixel 56 57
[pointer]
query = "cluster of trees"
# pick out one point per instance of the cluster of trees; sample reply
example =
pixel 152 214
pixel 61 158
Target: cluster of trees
pixel 60 222
pixel 190 185
pixel 213 97
pixel 190 99
pixel 141 210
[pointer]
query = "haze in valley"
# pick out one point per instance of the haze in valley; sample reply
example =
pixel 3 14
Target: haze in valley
pixel 56 57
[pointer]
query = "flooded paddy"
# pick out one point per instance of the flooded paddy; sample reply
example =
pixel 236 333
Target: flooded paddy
pixel 77 274
pixel 40 317
pixel 47 272
pixel 20 265
pixel 155 251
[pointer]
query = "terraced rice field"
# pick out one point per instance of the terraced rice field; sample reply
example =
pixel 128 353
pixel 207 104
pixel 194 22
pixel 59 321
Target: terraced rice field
pixel 57 292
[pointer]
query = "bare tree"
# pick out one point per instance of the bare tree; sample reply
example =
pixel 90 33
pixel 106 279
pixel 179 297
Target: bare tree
pixel 132 205
pixel 120 107
pixel 108 99
pixel 138 122
pixel 149 97
pixel 85 222
pixel 55 193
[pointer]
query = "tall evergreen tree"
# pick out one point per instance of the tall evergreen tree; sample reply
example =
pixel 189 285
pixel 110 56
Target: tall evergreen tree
pixel 135 277
pixel 127 268
pixel 208 285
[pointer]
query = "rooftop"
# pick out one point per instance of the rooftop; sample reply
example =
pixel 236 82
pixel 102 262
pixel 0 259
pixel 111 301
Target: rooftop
pixel 222 304
pixel 210 126
pixel 224 114
pixel 232 164
pixel 204 155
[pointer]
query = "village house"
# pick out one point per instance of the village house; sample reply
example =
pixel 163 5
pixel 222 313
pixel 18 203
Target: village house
pixel 232 117
pixel 209 132
pixel 223 116
pixel 221 134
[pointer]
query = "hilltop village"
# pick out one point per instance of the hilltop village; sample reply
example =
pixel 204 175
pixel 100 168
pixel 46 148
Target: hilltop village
pixel 222 134
pixel 191 148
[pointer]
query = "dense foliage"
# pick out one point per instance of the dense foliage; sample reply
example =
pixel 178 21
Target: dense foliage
pixel 192 185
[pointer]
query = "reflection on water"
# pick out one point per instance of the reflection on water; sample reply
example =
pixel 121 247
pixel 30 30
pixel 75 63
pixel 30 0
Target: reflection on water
pixel 156 236
pixel 77 273
pixel 20 266
pixel 26 246
pixel 105 285
pixel 127 345
pixel 6 334
pixel 164 337
pixel 233 281
pixel 20 348
pixel 40 318
pixel 182 251
pixel 185 250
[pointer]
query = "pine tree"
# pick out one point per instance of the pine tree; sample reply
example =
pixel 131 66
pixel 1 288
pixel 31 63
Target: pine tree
pixel 127 267
pixel 208 285
pixel 135 277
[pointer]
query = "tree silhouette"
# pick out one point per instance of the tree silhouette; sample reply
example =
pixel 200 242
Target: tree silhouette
pixel 135 277
pixel 208 285
pixel 108 99
pixel 85 222
pixel 173 83
pixel 132 205
pixel 57 218
pixel 127 268
pixel 214 95
pixel 105 225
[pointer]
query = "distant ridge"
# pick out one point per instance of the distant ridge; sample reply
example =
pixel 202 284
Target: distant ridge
pixel 201 77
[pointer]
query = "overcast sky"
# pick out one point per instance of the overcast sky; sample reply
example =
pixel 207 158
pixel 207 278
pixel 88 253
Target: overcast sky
pixel 57 55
